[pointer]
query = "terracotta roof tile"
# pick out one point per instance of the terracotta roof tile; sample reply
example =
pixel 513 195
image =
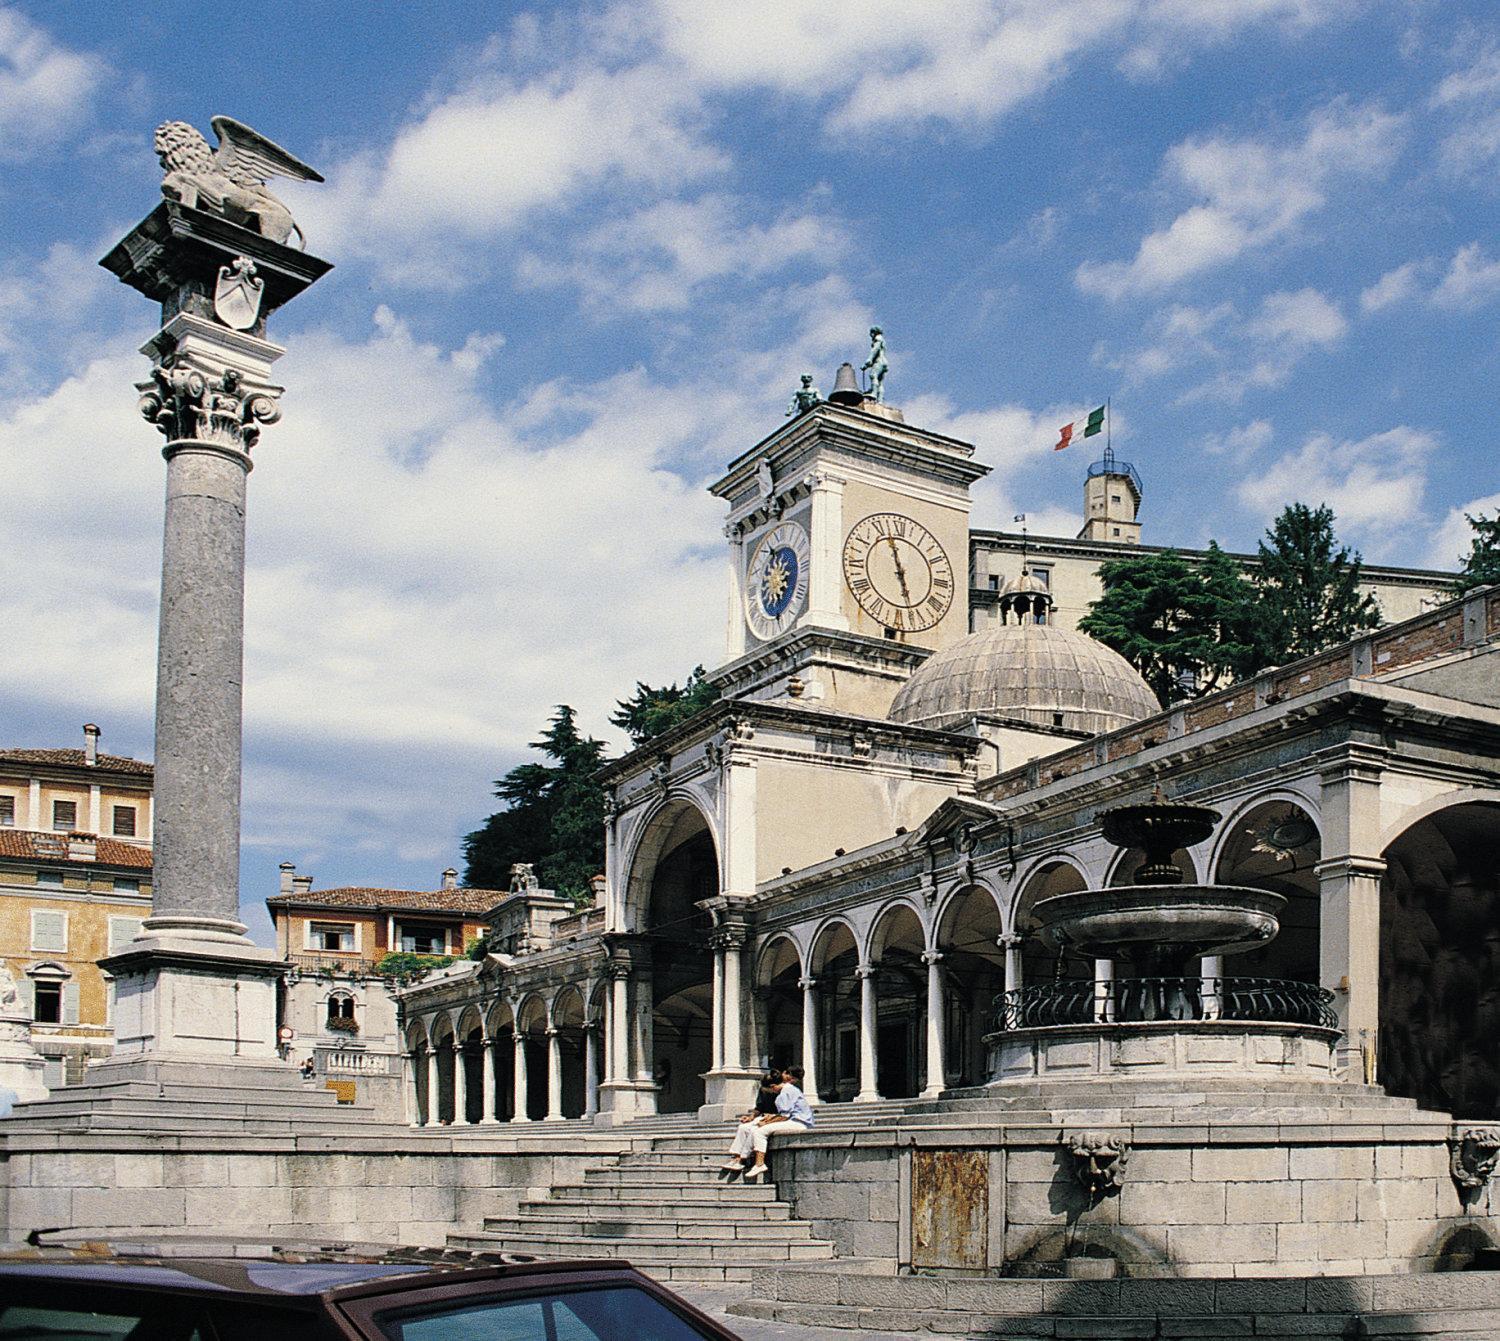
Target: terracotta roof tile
pixel 410 900
pixel 31 845
pixel 114 763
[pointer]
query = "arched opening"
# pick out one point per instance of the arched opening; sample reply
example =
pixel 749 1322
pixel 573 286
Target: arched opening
pixel 1133 858
pixel 834 958
pixel 338 1014
pixel 1275 846
pixel 532 1025
pixel 900 1002
pixel 503 1060
pixel 567 1019
pixel 1040 964
pixel 675 868
pixel 973 975
pixel 1439 1023
pixel 418 1052
pixel 442 1046
pixel 778 996
pixel 471 1058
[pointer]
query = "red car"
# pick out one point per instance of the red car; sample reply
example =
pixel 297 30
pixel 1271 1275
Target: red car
pixel 51 1294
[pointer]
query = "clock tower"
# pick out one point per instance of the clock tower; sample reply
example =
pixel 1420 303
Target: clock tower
pixel 848 539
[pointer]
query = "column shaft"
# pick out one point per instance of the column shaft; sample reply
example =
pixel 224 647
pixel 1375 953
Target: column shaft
pixel 869 1090
pixel 460 1085
pixel 410 1098
pixel 719 1009
pixel 809 988
pixel 936 1079
pixel 522 1113
pixel 590 1071
pixel 487 1059
pixel 554 1076
pixel 619 1020
pixel 433 1081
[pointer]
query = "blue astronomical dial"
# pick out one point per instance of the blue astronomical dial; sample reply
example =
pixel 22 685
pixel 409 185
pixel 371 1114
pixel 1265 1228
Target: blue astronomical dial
pixel 776 581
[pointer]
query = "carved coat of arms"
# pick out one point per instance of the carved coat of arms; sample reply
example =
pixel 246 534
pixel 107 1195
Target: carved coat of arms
pixel 238 293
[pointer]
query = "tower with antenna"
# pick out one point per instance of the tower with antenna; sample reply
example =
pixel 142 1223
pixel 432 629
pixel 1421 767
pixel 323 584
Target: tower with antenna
pixel 1112 502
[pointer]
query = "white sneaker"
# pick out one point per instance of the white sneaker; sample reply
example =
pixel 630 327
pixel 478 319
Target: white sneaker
pixel 731 1166
pixel 759 1171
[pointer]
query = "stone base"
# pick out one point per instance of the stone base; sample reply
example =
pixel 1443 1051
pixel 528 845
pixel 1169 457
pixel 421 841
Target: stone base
pixel 1175 1050
pixel 21 1066
pixel 728 1092
pixel 195 988
pixel 622 1100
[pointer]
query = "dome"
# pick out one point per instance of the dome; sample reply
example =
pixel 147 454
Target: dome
pixel 1037 673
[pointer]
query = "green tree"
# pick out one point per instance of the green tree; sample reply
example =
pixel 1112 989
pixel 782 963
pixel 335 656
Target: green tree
pixel 649 712
pixel 1308 587
pixel 1481 565
pixel 1186 627
pixel 553 816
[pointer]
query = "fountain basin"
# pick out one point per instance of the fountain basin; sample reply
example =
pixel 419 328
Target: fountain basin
pixel 1159 927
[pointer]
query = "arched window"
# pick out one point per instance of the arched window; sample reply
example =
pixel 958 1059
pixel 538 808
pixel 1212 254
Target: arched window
pixel 341 1014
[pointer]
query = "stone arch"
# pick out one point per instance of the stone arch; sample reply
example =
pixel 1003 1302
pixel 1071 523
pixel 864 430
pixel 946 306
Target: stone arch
pixel 1057 874
pixel 832 959
pixel 531 1026
pixel 500 1025
pixel 569 1019
pixel 1273 842
pixel 894 949
pixel 418 1049
pixel 1438 1036
pixel 1410 816
pixel 470 1033
pixel 440 1038
pixel 967 934
pixel 778 997
pixel 672 867
pixel 1122 868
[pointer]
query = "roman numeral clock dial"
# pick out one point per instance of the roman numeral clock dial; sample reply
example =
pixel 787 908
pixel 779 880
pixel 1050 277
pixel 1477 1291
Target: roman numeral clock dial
pixel 898 572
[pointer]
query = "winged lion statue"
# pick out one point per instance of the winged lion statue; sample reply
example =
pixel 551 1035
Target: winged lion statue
pixel 230 180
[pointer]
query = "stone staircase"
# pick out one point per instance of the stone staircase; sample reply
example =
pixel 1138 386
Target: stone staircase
pixel 666 1206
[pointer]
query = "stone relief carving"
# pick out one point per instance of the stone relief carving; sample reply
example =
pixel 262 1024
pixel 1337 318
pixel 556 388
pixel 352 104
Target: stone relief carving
pixel 184 405
pixel 238 293
pixel 10 995
pixel 231 180
pixel 1101 1160
pixel 1472 1156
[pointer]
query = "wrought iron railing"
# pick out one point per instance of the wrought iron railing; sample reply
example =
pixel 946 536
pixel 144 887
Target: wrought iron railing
pixel 1072 1001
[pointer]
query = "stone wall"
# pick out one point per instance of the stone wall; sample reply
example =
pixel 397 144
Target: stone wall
pixel 355 1189
pixel 1245 1200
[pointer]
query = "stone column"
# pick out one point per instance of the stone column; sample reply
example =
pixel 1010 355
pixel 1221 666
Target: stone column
pixel 1104 990
pixel 644 1042
pixel 809 988
pixel 734 625
pixel 460 1084
pixel 554 1074
pixel 1349 878
pixel 869 1091
pixel 487 1058
pixel 521 1114
pixel 937 1081
pixel 619 1032
pixel 720 1010
pixel 411 1108
pixel 590 1070
pixel 192 984
pixel 734 1034
pixel 1010 944
pixel 434 1080
pixel 825 576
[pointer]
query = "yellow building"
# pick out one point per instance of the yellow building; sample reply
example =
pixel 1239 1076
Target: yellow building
pixel 75 884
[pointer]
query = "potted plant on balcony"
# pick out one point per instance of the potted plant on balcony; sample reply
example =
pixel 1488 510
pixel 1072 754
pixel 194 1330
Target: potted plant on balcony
pixel 343 1024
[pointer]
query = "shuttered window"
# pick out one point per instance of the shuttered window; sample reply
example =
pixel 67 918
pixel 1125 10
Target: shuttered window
pixel 49 930
pixel 8 811
pixel 122 930
pixel 124 821
pixel 65 815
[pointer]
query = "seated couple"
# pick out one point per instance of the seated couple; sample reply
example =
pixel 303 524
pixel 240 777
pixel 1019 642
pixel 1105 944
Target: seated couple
pixel 781 1107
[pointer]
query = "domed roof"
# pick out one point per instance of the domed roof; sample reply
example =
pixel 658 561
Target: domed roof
pixel 1031 672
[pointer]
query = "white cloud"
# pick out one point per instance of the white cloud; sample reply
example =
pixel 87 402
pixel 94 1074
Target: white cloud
pixel 1472 279
pixel 1374 485
pixel 1240 443
pixel 1247 194
pixel 1453 536
pixel 45 89
pixel 1470 95
pixel 1305 317
pixel 1172 27
pixel 1395 286
pixel 660 257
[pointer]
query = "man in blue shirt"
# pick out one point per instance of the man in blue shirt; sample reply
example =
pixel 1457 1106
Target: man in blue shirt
pixel 793 1114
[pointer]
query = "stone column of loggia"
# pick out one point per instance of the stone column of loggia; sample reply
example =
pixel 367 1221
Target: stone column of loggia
pixel 487 1057
pixel 591 1070
pixel 521 1113
pixel 809 988
pixel 936 1079
pixel 460 1084
pixel 869 1090
pixel 554 1074
pixel 434 1084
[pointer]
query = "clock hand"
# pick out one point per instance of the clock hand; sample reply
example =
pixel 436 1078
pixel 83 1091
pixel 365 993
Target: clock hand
pixel 900 571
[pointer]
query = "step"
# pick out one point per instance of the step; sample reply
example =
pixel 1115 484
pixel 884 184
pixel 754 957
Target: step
pixel 656 1194
pixel 760 1212
pixel 604 1226
pixel 732 1251
pixel 685 1273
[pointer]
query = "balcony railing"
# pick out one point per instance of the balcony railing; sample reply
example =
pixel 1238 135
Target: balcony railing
pixel 332 963
pixel 1148 1000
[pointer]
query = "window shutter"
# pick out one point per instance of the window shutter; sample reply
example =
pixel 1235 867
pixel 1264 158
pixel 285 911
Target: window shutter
pixel 27 989
pixel 49 930
pixel 70 1003
pixel 122 930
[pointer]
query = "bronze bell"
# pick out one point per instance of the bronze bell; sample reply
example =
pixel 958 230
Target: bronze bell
pixel 846 387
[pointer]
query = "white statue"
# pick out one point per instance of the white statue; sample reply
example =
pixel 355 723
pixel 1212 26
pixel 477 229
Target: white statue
pixel 230 180
pixel 10 995
pixel 523 878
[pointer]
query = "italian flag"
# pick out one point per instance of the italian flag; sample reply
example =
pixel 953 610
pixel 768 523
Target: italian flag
pixel 1094 423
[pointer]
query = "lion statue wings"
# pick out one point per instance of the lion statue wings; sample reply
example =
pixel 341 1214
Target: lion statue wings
pixel 230 180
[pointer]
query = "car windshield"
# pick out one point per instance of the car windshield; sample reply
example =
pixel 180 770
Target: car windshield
pixel 572 1315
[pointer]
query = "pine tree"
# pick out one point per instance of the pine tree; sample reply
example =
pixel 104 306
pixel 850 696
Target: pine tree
pixel 1308 587
pixel 1481 565
pixel 553 816
pixel 649 712
pixel 1186 627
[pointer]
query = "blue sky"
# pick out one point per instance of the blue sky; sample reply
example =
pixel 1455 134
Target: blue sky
pixel 584 251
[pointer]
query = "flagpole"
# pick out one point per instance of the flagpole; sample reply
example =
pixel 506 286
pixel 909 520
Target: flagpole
pixel 1109 428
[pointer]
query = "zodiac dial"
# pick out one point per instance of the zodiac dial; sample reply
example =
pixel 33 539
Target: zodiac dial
pixel 898 572
pixel 776 583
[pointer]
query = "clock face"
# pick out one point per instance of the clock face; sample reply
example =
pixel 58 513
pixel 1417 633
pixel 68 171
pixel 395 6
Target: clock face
pixel 898 572
pixel 776 584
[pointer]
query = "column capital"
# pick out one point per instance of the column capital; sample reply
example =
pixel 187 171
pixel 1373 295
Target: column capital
pixel 1371 868
pixel 866 971
pixel 807 984
pixel 932 957
pixel 1012 940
